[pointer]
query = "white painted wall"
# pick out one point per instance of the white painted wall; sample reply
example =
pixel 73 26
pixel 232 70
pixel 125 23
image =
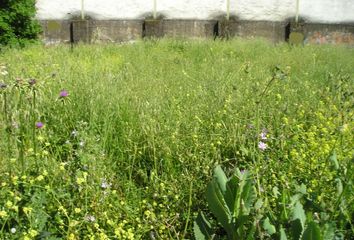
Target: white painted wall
pixel 330 11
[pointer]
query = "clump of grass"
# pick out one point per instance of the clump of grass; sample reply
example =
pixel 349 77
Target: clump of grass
pixel 126 129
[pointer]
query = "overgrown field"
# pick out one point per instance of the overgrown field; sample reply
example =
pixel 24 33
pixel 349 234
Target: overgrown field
pixel 120 141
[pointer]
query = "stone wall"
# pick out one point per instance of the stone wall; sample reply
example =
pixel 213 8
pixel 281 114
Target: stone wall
pixel 66 31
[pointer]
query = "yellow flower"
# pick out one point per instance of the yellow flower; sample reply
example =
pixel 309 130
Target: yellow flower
pixel 15 208
pixel 40 178
pixel 80 180
pixel 14 180
pixel 40 138
pixel 77 210
pixel 33 233
pixel 62 167
pixel 103 236
pixel 27 210
pixel 9 204
pixel 3 214
pixel 71 237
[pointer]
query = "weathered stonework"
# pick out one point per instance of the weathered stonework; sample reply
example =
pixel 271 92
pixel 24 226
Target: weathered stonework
pixel 329 33
pixel 56 31
pixel 273 31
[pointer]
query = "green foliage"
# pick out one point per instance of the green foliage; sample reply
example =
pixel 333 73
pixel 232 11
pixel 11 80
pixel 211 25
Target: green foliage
pixel 230 200
pixel 128 152
pixel 17 23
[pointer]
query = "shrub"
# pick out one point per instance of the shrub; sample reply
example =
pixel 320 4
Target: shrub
pixel 17 23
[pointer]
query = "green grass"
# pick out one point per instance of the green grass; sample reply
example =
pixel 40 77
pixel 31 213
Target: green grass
pixel 151 120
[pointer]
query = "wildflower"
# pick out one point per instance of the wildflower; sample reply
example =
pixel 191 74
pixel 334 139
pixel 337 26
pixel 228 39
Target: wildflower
pixel 33 233
pixel 9 204
pixel 90 218
pixel 80 180
pixel 74 133
pixel 263 134
pixel 40 178
pixel 39 125
pixel 81 143
pixel 27 210
pixel 13 230
pixel 3 214
pixel 77 210
pixel 262 146
pixel 105 184
pixel 63 94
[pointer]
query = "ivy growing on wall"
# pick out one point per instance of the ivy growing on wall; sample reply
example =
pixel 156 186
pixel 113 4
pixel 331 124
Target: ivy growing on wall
pixel 17 22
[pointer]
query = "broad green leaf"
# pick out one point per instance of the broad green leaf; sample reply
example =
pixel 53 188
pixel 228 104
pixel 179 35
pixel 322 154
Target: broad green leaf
pixel 299 213
pixel 218 206
pixel 232 188
pixel 220 178
pixel 202 228
pixel 298 220
pixel 329 230
pixel 241 220
pixel 248 196
pixel 296 229
pixel 302 189
pixel 312 232
pixel 282 234
pixel 270 228
pixel 258 204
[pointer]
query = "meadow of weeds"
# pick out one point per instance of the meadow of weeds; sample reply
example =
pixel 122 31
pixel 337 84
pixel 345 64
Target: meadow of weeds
pixel 120 141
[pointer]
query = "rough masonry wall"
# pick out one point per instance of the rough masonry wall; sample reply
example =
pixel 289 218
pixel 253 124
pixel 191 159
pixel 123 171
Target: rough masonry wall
pixel 320 11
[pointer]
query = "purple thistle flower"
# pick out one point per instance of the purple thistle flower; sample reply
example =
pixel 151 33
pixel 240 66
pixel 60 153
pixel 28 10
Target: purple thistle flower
pixel 63 94
pixel 39 125
pixel 262 146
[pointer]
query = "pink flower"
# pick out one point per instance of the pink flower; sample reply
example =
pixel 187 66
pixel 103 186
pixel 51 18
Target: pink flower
pixel 63 94
pixel 262 146
pixel 39 125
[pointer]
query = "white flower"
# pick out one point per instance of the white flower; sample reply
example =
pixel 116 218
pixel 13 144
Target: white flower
pixel 105 184
pixel 13 230
pixel 262 146
pixel 74 133
pixel 90 218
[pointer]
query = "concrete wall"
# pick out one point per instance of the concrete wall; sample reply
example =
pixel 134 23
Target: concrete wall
pixel 319 11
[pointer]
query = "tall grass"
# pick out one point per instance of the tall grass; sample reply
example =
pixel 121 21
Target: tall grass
pixel 143 125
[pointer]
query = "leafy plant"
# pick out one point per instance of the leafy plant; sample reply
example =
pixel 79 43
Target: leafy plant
pixel 231 201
